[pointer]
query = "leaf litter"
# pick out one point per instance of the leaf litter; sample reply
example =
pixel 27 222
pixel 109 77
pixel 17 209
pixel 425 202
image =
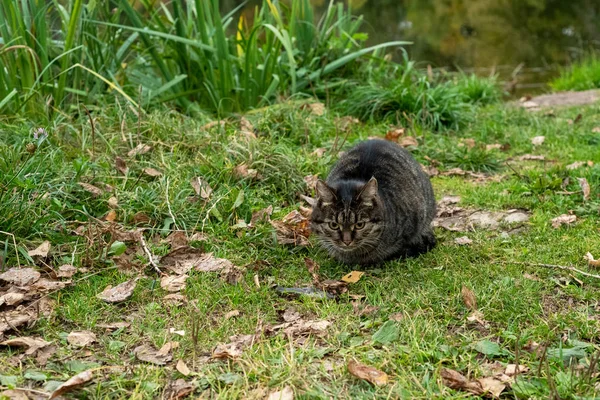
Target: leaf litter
pixel 151 355
pixel 41 251
pixel 292 229
pixel 81 338
pixel 367 373
pixel 563 219
pixel 119 293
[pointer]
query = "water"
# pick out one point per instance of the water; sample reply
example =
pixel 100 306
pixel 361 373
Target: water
pixel 524 42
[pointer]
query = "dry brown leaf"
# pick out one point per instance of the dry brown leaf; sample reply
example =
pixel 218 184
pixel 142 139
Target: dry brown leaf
pixel 531 157
pixel 44 354
pixel 261 215
pixel 477 317
pixel 455 380
pixel 111 216
pixel 47 285
pixel 585 188
pixel 394 134
pixel 152 172
pixel 469 142
pixel 511 369
pixel 311 181
pixel 495 146
pixel 81 338
pixel 463 241
pixel 235 348
pixel 578 164
pixel 563 219
pixel 113 202
pixel 113 326
pixel 14 394
pixel 319 152
pixel 242 171
pixel 538 140
pixel 491 386
pixel 182 259
pixel 201 187
pixel 315 108
pixel 212 124
pixel 118 293
pixel 12 319
pixel 352 277
pixel 231 314
pixel 367 373
pixel 73 383
pixel 591 261
pixel 290 315
pixel 173 283
pixel 183 368
pixel 31 344
pixel 179 332
pixel 177 239
pixel 20 276
pixel 469 298
pixel 292 229
pixel 121 165
pixel 96 192
pixel 139 150
pixel 178 389
pixel 12 299
pixel 408 141
pixel 284 394
pixel 175 298
pixel 209 263
pixel 149 354
pixel 41 251
pixel 430 170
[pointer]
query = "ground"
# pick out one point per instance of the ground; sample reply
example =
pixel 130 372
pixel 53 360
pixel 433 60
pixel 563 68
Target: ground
pixel 437 325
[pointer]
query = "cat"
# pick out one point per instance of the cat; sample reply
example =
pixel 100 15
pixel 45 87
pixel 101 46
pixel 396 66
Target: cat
pixel 377 204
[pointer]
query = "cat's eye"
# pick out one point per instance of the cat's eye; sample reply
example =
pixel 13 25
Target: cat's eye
pixel 359 225
pixel 333 225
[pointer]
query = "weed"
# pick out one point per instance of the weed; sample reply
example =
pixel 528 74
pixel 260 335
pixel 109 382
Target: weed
pixel 582 75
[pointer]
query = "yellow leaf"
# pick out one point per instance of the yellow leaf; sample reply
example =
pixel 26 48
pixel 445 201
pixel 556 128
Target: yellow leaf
pixel 353 276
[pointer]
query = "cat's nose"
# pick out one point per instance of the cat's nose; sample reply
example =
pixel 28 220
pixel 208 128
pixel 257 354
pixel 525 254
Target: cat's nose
pixel 347 238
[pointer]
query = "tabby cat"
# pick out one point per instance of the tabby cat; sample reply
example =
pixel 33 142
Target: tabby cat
pixel 377 204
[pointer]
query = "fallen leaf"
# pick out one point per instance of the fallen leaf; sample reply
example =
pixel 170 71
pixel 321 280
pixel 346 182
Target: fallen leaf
pixel 44 354
pixel 319 152
pixel 394 134
pixel 317 108
pixel 538 140
pixel 311 181
pixel 31 344
pixel 81 338
pixel 121 166
pixel 11 299
pixel 212 124
pixel 456 380
pixel 591 261
pixel 175 298
pixel 12 319
pixel 139 150
pixel 492 386
pixel 41 251
pixel 183 368
pixel 14 394
pixel 178 389
pixel 360 309
pixel 231 314
pixel 585 188
pixel 365 372
pixel 470 143
pixel 96 192
pixel 563 219
pixel 477 317
pixel 111 216
pixel 201 187
pixel 20 276
pixel 114 325
pixel 73 383
pixel 149 354
pixel 242 171
pixel 260 215
pixel 174 331
pixel 173 283
pixel 511 369
pixel 118 293
pixel 292 229
pixel 141 218
pixel 209 263
pixel 463 241
pixel 313 269
pixel 291 315
pixel 531 157
pixel 495 146
pixel 285 394
pixel 152 172
pixel 469 298
pixel 408 141
pixel 352 277
pixel 579 164
pixel 177 239
pixel 235 348
pixel 113 202
pixel 430 170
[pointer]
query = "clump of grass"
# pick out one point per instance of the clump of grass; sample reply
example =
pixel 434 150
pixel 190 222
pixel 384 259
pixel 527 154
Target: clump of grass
pixel 582 75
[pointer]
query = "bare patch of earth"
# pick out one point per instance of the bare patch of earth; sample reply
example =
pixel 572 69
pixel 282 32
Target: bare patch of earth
pixel 561 99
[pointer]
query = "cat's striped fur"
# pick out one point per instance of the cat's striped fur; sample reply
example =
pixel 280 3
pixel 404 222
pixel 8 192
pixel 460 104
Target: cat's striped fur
pixel 377 204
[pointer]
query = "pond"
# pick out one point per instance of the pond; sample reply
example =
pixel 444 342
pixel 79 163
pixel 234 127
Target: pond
pixel 524 42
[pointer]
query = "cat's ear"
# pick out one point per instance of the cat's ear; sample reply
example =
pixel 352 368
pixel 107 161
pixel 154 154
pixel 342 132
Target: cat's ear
pixel 325 194
pixel 368 193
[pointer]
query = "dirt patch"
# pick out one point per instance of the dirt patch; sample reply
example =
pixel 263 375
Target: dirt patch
pixel 562 99
pixel 558 303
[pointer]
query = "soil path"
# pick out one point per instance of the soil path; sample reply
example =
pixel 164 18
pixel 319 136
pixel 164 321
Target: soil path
pixel 562 99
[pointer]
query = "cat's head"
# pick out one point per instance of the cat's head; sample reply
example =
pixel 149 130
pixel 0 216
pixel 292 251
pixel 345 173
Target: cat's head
pixel 348 215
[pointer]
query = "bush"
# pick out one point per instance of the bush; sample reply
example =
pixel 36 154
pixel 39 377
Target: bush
pixel 583 75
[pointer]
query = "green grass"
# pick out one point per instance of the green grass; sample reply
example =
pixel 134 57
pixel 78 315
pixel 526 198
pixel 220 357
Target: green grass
pixel 582 75
pixel 40 199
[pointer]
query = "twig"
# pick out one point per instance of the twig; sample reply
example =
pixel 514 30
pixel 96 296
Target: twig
pixel 148 253
pixel 169 206
pixel 563 267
